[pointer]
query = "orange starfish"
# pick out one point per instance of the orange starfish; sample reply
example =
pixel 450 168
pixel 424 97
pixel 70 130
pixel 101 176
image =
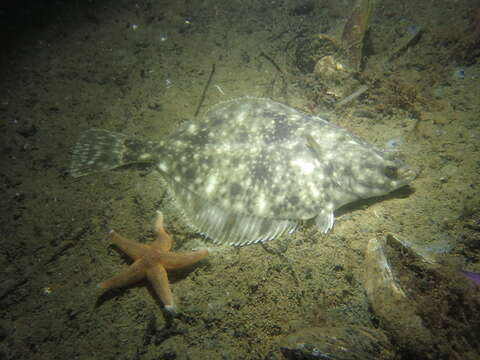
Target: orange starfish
pixel 152 261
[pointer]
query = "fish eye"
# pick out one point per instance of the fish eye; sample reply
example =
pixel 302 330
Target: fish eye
pixel 391 172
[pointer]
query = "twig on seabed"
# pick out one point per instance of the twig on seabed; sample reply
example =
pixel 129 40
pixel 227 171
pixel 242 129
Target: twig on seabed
pixel 219 89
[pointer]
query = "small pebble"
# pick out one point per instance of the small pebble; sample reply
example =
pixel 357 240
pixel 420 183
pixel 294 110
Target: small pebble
pixel 393 144
pixel 459 73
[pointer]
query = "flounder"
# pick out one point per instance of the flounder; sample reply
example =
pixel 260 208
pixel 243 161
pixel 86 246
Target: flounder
pixel 252 169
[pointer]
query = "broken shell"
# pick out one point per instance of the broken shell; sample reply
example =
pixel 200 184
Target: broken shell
pixel 329 67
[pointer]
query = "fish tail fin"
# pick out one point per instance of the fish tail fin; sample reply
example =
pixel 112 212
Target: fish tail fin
pixel 98 150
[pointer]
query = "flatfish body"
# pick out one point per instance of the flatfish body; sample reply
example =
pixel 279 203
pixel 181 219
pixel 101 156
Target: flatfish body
pixel 251 169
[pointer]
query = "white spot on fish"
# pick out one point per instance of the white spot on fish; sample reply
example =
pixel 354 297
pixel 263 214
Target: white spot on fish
pixel 212 183
pixel 314 190
pixel 305 166
pixel 241 116
pixel 261 204
pixel 163 167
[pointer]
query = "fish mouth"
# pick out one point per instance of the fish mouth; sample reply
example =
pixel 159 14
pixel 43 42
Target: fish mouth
pixel 406 174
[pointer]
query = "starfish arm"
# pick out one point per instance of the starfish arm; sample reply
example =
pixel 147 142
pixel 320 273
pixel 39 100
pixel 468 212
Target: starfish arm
pixel 180 260
pixel 157 275
pixel 133 249
pixel 152 261
pixel 134 273
pixel 163 240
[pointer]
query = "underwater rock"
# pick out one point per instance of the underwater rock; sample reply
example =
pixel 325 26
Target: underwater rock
pixel 429 310
pixel 425 310
pixel 338 343
pixel 304 8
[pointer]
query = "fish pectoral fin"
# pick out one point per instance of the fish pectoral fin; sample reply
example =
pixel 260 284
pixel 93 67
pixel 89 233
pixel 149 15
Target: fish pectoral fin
pixel 314 147
pixel 324 220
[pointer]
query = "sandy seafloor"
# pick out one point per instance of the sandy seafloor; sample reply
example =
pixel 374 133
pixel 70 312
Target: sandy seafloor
pixel 139 67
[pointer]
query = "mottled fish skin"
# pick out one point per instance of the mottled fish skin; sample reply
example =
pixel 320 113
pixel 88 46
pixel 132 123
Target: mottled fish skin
pixel 247 170
pixel 252 157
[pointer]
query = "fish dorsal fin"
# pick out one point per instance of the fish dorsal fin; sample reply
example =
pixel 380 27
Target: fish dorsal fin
pixel 314 146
